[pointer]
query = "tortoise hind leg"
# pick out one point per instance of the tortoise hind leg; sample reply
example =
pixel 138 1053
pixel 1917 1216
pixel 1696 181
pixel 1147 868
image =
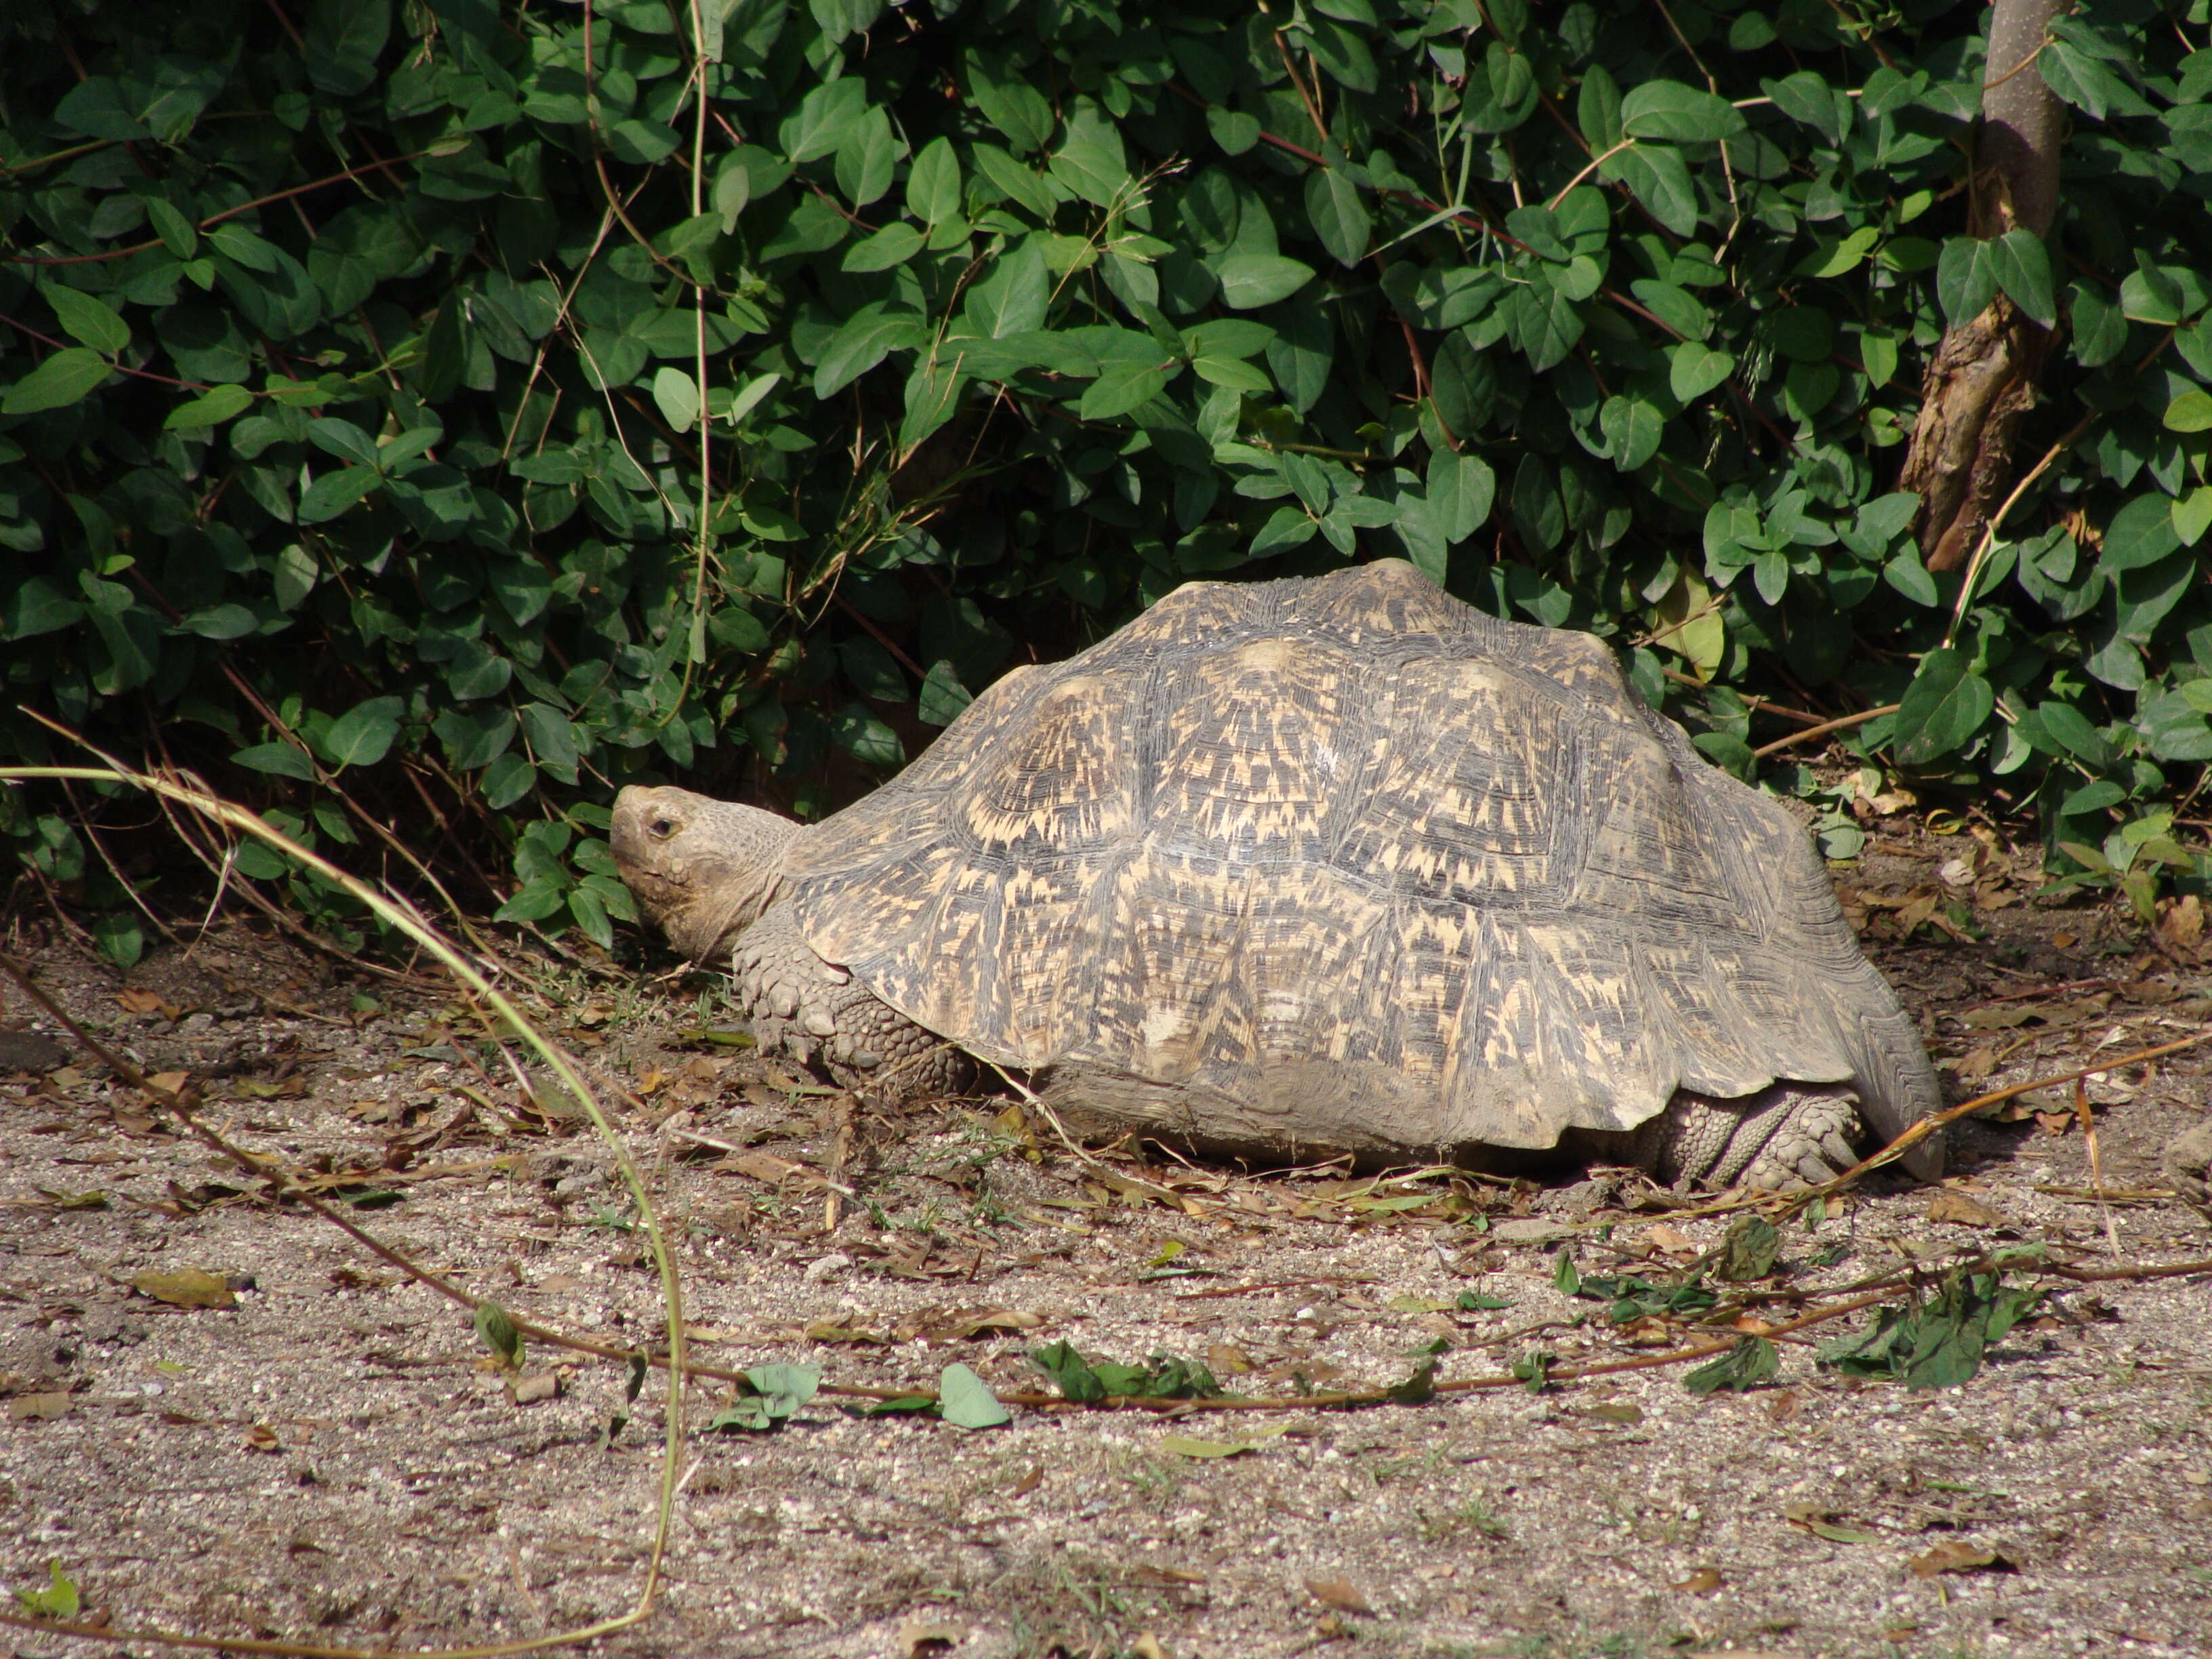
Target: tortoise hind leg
pixel 819 1015
pixel 1793 1135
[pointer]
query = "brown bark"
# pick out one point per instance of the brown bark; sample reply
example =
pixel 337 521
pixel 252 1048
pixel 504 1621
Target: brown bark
pixel 1981 381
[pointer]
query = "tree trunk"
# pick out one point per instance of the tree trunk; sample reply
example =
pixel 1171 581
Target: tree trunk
pixel 1981 382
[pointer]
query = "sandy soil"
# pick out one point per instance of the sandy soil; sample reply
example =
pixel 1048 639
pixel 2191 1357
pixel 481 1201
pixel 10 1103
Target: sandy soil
pixel 333 1459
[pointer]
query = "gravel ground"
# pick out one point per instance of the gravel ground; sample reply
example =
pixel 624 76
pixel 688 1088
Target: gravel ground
pixel 334 1460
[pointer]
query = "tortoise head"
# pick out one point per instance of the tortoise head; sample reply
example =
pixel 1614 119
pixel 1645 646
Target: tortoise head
pixel 702 870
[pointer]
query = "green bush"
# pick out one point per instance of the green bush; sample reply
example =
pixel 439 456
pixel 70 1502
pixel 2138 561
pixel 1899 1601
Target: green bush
pixel 445 404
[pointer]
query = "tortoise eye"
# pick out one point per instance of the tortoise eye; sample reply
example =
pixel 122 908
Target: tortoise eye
pixel 663 829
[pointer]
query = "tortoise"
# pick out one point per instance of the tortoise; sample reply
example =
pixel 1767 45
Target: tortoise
pixel 1330 864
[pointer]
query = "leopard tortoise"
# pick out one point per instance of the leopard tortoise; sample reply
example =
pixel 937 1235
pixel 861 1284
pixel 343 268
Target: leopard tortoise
pixel 1338 863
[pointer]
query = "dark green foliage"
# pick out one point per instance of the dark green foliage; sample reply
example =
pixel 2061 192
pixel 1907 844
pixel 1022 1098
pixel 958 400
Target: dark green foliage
pixel 769 1396
pixel 1750 1362
pixel 1748 1250
pixel 356 358
pixel 1631 1297
pixel 1936 1342
pixel 1086 1382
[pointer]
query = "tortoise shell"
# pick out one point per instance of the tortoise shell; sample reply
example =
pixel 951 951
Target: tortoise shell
pixel 1355 863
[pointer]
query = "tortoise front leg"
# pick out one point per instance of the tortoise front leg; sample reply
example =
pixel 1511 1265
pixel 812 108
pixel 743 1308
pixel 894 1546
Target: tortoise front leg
pixel 1793 1135
pixel 817 1014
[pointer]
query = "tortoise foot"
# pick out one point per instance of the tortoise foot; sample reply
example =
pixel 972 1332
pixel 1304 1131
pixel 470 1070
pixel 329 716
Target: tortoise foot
pixel 1794 1134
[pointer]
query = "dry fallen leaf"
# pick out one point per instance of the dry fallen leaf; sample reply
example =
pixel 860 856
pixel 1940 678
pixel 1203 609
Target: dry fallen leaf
pixel 1661 1237
pixel 190 1288
pixel 1340 1593
pixel 1954 1555
pixel 1953 1206
pixel 1972 1068
pixel 260 1437
pixel 529 1390
pixel 1816 1519
pixel 34 1407
pixel 1228 1361
pixel 766 1166
pixel 2182 926
pixel 1704 1581
pixel 1148 1646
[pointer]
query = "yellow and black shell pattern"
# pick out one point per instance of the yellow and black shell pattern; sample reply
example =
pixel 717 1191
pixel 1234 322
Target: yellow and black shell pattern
pixel 1346 854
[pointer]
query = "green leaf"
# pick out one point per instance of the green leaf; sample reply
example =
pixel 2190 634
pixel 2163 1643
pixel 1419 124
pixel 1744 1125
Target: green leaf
pixel 966 1402
pixel 364 734
pixel 96 108
pixel 1633 428
pixel 1748 1252
pixel 341 42
pixel 932 397
pixel 1250 280
pixel 221 404
pixel 1090 162
pixel 1753 1361
pixel 1942 709
pixel 2192 515
pixel 2073 732
pixel 2149 293
pixel 892 246
pixel 1008 102
pixel 1668 109
pixel 283 759
pixel 474 737
pixel 1938 1343
pixel 1338 215
pixel 867 336
pixel 63 379
pixel 2174 723
pixel 943 698
pixel 1565 1280
pixel 496 1328
pixel 1462 489
pixel 676 396
pixel 1546 324
pixel 861 735
pixel 86 319
pixel 774 1394
pixel 1121 387
pixel 1694 369
pixel 933 184
pixel 867 157
pixel 120 938
pixel 2189 412
pixel 1965 279
pixel 2141 533
pixel 333 493
pixel 2021 267
pixel 1013 298
pixel 824 116
pixel 507 781
pixel 58 1600
pixel 1659 179
pixel 1070 1372
pixel 1878 355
